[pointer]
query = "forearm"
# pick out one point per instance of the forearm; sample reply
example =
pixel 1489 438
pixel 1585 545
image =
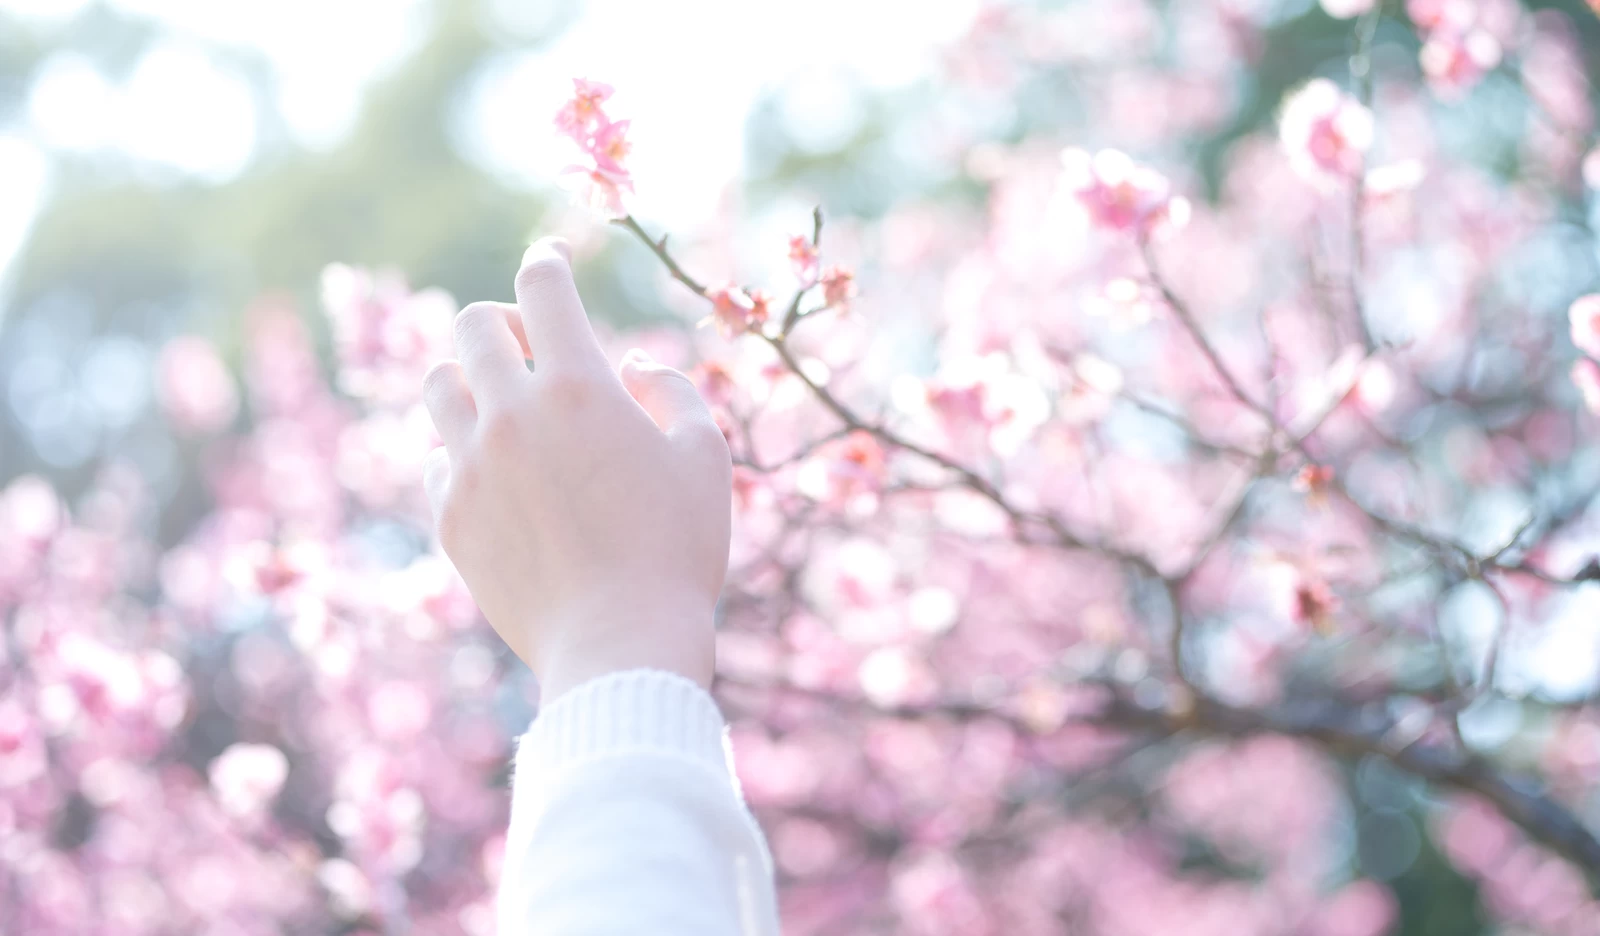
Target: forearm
pixel 626 818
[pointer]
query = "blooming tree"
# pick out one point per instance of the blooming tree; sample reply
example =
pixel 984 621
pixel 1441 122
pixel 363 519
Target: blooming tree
pixel 1087 531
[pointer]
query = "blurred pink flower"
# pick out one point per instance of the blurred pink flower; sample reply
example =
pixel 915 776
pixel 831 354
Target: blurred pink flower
pixel 196 389
pixel 1120 195
pixel 1316 482
pixel 838 288
pixel 1591 168
pixel 601 182
pixel 1428 15
pixel 378 813
pixel 386 335
pixel 399 710
pixel 803 260
pixel 579 115
pixel 1586 377
pixel 1326 133
pixel 22 751
pixel 1363 908
pixel 246 777
pixel 1455 61
pixel 1395 178
pixel 715 382
pixel 1584 317
pixel 600 189
pixel 844 470
pixel 609 146
pixel 735 311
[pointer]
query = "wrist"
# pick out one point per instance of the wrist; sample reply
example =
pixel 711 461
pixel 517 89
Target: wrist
pixel 681 642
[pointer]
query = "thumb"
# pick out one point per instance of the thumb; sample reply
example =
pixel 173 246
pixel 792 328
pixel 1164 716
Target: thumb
pixel 666 394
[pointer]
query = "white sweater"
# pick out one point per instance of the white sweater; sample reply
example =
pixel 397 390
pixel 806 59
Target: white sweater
pixel 627 818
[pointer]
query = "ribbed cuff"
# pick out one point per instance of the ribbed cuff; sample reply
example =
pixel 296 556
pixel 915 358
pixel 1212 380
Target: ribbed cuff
pixel 626 711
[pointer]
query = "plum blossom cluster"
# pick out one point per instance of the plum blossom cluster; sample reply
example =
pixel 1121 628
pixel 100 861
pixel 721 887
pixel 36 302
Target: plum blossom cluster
pixel 1584 319
pixel 1326 133
pixel 282 719
pixel 1118 194
pixel 737 310
pixel 602 178
pixel 1460 40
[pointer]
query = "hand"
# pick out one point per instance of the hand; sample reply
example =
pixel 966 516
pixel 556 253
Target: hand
pixel 589 515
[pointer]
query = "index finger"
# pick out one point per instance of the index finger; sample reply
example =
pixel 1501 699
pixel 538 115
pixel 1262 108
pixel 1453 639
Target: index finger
pixel 559 333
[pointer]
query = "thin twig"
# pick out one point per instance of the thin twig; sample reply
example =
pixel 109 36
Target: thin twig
pixel 1361 75
pixel 1192 326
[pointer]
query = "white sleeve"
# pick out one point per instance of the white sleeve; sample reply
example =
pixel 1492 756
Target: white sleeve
pixel 626 818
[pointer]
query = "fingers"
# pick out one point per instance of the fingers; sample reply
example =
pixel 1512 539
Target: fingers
pixel 449 402
pixel 513 317
pixel 557 326
pixel 436 479
pixel 488 351
pixel 669 397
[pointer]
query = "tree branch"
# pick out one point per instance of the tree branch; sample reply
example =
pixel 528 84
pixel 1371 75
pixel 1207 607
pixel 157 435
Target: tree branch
pixel 1334 726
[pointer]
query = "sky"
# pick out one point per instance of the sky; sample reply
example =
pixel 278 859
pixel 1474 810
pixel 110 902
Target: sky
pixel 687 72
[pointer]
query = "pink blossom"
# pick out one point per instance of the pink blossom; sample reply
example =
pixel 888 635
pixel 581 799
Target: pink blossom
pixel 579 115
pixel 1455 61
pixel 386 335
pixel 845 470
pixel 399 710
pixel 22 750
pixel 600 189
pixel 715 382
pixel 601 182
pixel 803 260
pixel 609 146
pixel 378 813
pixel 1326 133
pixel 1428 15
pixel 1362 908
pixel 1586 377
pixel 1591 168
pixel 29 510
pixel 1584 316
pixel 1120 195
pixel 246 777
pixel 735 311
pixel 197 391
pixel 838 288
pixel 1316 482
pixel 1395 178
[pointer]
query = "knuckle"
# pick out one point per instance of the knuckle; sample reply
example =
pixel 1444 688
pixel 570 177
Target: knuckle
pixel 499 431
pixel 465 481
pixel 568 388
pixel 438 378
pixel 541 273
pixel 473 317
